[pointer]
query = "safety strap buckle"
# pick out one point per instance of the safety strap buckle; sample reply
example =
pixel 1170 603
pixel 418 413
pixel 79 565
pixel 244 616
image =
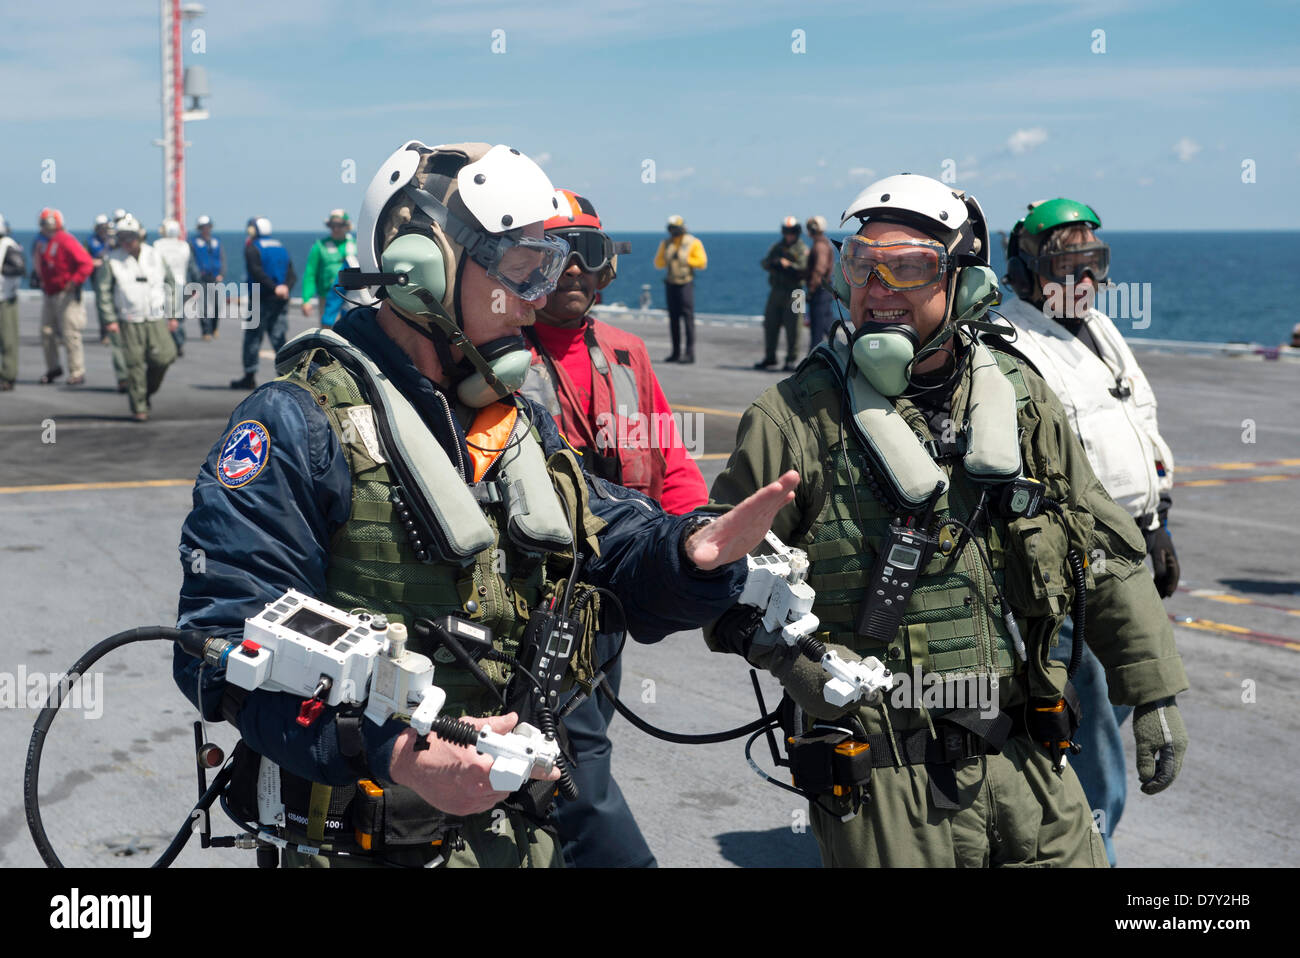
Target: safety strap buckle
pixel 940 449
pixel 487 492
pixel 957 744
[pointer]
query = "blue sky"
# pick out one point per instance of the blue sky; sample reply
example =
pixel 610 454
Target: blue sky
pixel 742 130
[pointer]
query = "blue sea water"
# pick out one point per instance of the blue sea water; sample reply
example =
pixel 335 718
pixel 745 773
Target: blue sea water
pixel 1203 286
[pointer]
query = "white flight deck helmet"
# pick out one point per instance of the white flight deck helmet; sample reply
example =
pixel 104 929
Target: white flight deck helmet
pixel 490 191
pixel 171 228
pixel 126 223
pixel 955 219
pixel 427 211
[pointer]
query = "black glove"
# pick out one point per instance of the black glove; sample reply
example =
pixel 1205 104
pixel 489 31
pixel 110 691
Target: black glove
pixel 1163 558
pixel 735 630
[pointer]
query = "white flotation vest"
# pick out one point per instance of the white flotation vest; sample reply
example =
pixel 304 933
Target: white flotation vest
pixel 1107 398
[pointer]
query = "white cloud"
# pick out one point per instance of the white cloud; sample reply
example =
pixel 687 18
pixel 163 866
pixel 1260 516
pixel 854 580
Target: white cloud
pixel 542 158
pixel 1022 141
pixel 672 176
pixel 862 172
pixel 1186 148
pixel 1145 181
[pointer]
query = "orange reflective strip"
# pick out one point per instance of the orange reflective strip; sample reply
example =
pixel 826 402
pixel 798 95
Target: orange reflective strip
pixel 491 430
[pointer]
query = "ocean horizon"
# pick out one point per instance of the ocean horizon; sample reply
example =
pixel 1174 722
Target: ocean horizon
pixel 1177 284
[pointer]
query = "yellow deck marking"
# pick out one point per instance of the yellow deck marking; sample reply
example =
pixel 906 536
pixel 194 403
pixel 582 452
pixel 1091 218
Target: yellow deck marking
pixel 1261 464
pixel 90 486
pixel 1224 597
pixel 1224 482
pixel 1206 625
pixel 705 409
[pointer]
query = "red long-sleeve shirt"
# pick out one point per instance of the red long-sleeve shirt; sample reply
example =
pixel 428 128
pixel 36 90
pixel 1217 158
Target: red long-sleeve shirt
pixel 684 487
pixel 64 262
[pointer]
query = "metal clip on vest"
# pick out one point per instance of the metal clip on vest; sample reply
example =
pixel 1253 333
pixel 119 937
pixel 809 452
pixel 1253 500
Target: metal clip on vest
pixel 776 585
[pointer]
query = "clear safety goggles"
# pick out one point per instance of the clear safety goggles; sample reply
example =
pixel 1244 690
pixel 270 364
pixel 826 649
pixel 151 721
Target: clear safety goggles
pixel 1073 263
pixel 898 264
pixel 590 247
pixel 528 266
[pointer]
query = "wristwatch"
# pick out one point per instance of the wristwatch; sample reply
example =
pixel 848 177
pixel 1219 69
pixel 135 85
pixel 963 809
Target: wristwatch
pixel 694 523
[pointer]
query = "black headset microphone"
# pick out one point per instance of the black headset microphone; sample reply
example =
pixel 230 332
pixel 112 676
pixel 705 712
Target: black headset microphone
pixel 354 278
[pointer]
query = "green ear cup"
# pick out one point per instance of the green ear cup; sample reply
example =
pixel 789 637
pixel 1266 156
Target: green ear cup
pixel 977 290
pixel 840 285
pixel 421 259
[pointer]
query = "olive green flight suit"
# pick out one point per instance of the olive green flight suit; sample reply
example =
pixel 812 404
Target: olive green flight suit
pixel 1012 807
pixel 780 312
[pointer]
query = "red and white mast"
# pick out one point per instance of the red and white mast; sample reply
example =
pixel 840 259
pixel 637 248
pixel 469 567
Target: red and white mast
pixel 176 83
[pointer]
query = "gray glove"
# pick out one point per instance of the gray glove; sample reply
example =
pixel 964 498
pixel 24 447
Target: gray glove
pixel 805 680
pixel 740 630
pixel 1161 744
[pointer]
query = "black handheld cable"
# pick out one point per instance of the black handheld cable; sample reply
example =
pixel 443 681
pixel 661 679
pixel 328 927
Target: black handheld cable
pixel 193 643
pixel 1079 612
pixel 679 738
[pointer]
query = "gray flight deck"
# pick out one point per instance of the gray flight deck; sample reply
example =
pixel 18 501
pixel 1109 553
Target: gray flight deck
pixel 91 550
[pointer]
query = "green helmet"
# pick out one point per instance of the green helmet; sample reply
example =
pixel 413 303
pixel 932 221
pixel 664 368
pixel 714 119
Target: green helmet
pixel 1027 236
pixel 1050 214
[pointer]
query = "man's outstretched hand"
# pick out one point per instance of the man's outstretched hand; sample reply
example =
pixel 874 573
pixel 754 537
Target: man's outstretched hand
pixel 736 534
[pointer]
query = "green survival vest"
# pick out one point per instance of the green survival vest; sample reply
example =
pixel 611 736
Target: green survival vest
pixel 953 622
pixel 373 564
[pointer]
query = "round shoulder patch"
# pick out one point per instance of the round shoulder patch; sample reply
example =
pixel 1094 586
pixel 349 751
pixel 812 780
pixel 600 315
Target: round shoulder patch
pixel 244 453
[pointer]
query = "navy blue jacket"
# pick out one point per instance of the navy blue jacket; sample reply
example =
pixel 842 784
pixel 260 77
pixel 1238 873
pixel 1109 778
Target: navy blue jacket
pixel 248 540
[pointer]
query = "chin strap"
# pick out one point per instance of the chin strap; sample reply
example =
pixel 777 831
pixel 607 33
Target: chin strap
pixel 955 327
pixel 452 335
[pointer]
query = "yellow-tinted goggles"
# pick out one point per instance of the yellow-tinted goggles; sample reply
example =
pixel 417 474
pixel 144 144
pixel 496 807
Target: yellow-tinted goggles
pixel 899 264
